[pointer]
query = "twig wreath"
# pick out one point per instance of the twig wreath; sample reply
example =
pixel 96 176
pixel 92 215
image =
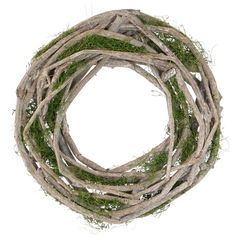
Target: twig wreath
pixel 165 57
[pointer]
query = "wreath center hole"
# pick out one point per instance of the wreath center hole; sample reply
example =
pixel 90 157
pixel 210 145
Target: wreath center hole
pixel 117 117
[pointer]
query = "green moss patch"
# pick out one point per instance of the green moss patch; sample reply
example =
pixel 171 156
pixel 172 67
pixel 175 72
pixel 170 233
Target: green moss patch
pixel 181 51
pixel 40 139
pixel 156 163
pixel 55 104
pixel 215 146
pixel 69 71
pixel 188 147
pixel 86 176
pixel 100 42
pixel 100 205
pixel 53 107
pixel 183 117
pixel 44 48
pixel 180 108
pixel 41 146
pixel 149 20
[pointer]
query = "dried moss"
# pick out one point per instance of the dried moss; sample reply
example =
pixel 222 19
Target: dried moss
pixel 100 42
pixel 183 117
pixel 44 48
pixel 149 20
pixel 181 51
pixel 156 163
pixel 100 205
pixel 215 146
pixel 69 71
pixel 53 107
pixel 40 139
pixel 188 147
pixel 180 108
pixel 55 104
pixel 41 145
pixel 87 176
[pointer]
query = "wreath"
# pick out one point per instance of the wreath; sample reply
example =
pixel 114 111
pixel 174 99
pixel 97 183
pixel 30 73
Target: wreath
pixel 164 56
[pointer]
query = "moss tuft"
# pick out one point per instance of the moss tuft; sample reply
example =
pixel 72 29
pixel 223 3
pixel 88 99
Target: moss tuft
pixel 53 106
pixel 215 146
pixel 156 163
pixel 180 108
pixel 100 42
pixel 69 71
pixel 149 20
pixel 86 176
pixel 182 52
pixel 188 147
pixel 41 146
pixel 44 48
pixel 91 202
pixel 40 139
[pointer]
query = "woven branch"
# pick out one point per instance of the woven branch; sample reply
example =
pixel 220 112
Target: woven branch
pixel 165 57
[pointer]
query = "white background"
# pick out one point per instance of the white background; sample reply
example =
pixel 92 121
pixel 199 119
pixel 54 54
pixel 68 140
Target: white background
pixel 209 208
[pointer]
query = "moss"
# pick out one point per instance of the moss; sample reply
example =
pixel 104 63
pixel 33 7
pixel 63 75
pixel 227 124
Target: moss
pixel 86 176
pixel 188 147
pixel 69 71
pixel 44 48
pixel 156 163
pixel 215 146
pixel 179 48
pixel 40 139
pixel 182 52
pixel 149 20
pixel 100 42
pixel 41 145
pixel 53 106
pixel 183 117
pixel 100 205
pixel 180 107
